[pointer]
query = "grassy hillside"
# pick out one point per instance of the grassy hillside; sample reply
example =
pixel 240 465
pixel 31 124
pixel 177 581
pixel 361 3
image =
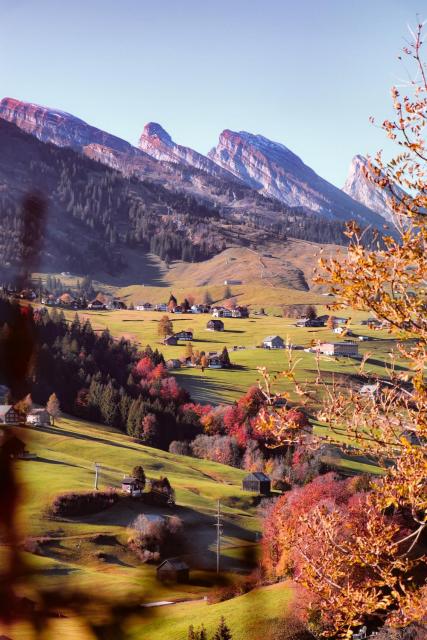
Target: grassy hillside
pixel 222 385
pixel 89 553
pixel 274 275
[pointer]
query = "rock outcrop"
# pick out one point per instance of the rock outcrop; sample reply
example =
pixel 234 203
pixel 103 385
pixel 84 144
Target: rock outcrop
pixel 276 171
pixel 156 142
pixel 360 188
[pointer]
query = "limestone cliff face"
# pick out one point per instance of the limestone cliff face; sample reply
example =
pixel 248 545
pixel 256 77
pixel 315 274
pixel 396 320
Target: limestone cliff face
pixel 157 143
pixel 57 127
pixel 360 188
pixel 276 171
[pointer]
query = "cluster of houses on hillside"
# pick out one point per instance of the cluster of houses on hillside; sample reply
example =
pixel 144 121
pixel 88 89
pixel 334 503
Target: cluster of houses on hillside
pixel 217 311
pixel 9 416
pixel 348 348
pixel 68 301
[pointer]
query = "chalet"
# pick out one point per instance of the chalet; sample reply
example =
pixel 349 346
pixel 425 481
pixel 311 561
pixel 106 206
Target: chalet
pixel 257 482
pixel 132 486
pixel 273 342
pixel 8 415
pixel 170 341
pixel 66 300
pixel 38 417
pixel 116 305
pixel 215 325
pixel 177 309
pixel 173 570
pixel 222 312
pixel 196 308
pixel 184 335
pixel 96 304
pixel 349 349
pixel 214 361
pixel 146 306
pixel 240 312
pixel 310 322
pixel 161 307
pixel 173 363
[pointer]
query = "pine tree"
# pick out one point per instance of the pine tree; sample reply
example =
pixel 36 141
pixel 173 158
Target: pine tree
pixel 223 632
pixel 207 298
pixel 225 358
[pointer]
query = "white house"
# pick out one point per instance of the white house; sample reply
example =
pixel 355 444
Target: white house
pixel 349 349
pixel 38 417
pixel 273 342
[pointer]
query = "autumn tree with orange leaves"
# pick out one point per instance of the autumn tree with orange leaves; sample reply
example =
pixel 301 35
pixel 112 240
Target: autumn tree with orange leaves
pixel 368 566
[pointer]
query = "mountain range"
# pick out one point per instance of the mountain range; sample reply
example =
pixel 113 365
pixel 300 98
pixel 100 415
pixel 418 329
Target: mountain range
pixel 239 158
pixel 162 197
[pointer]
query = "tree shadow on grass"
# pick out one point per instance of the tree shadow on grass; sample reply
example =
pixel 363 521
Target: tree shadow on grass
pixel 77 436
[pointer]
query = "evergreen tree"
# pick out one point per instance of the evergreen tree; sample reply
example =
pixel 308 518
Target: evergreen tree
pixel 225 358
pixel 207 298
pixel 222 632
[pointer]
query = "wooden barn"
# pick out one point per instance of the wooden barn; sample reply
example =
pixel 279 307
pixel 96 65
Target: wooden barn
pixel 257 482
pixel 173 570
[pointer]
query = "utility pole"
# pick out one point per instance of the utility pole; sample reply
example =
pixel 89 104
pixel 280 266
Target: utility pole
pixel 97 469
pixel 219 531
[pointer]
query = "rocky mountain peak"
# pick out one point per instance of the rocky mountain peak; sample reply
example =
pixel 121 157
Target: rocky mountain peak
pixel 360 188
pixel 155 131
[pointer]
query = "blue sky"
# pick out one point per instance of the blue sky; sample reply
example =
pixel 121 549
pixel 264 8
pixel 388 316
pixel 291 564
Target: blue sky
pixel 306 73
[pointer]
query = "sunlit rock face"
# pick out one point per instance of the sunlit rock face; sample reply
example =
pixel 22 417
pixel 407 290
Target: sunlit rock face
pixel 158 143
pixel 360 188
pixel 275 170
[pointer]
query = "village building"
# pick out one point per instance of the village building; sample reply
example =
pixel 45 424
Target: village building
pixel 161 307
pixel 273 342
pixel 173 570
pixel 229 282
pixel 214 361
pixel 170 341
pixel 116 305
pixel 38 417
pixel 173 363
pixel 215 325
pixel 257 482
pixel 132 486
pixel 184 335
pixel 195 308
pixel 8 415
pixel 222 312
pixel 310 322
pixel 349 349
pixel 146 306
pixel 96 304
pixel 66 300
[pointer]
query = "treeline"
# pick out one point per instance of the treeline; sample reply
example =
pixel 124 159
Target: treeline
pixel 97 377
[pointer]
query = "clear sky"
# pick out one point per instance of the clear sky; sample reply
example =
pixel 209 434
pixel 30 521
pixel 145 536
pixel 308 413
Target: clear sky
pixel 307 73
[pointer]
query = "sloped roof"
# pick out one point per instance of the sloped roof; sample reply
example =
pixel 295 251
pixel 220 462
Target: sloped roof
pixel 175 563
pixel 270 338
pixel 257 475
